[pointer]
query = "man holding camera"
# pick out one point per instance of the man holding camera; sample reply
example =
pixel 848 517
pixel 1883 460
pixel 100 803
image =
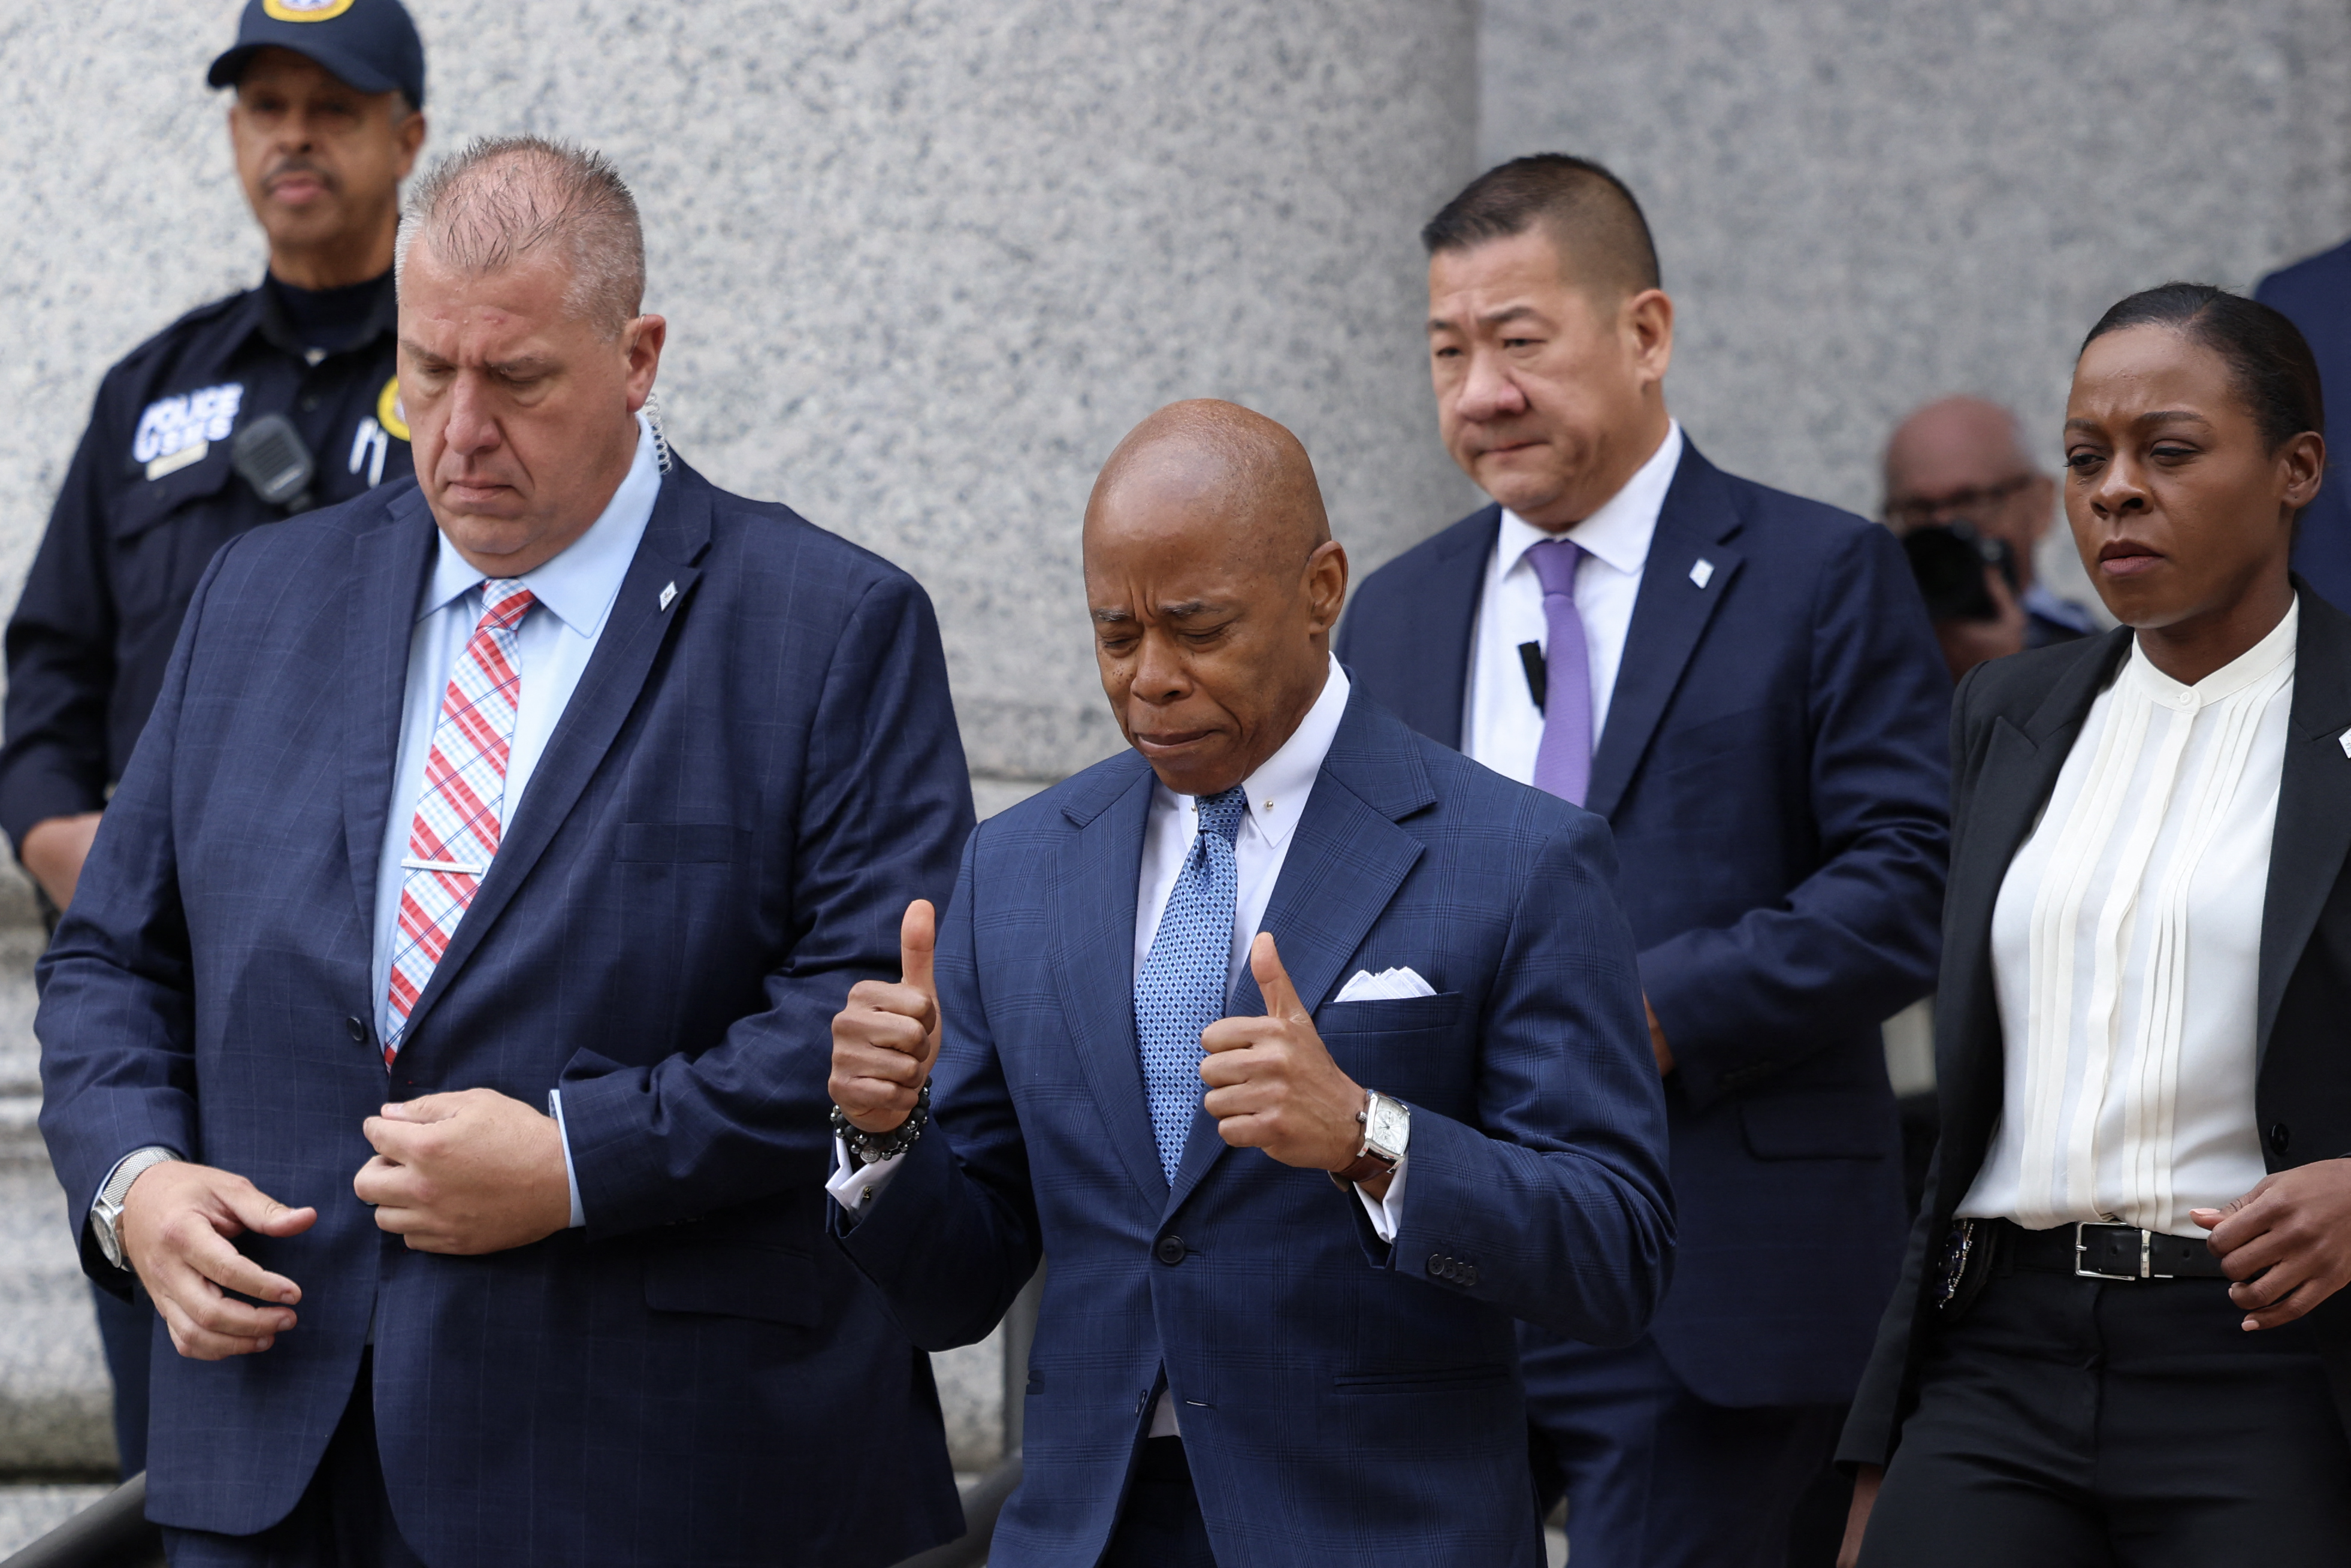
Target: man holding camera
pixel 242 412
pixel 1970 507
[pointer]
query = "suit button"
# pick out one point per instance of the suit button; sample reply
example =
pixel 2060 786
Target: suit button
pixel 2279 1137
pixel 357 1030
pixel 1170 1249
pixel 1469 1276
pixel 1436 1262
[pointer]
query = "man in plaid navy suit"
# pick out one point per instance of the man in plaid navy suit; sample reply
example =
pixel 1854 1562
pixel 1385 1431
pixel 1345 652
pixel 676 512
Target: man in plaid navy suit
pixel 438 1031
pixel 1277 1328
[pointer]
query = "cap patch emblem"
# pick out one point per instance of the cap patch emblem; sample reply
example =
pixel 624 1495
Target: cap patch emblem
pixel 305 10
pixel 388 412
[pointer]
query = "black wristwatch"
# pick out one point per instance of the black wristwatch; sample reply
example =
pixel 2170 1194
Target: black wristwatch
pixel 872 1148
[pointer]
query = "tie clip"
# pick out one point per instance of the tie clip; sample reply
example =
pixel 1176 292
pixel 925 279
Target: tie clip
pixel 409 863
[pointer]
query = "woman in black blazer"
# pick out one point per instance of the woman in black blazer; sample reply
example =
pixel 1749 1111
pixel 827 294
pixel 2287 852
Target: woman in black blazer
pixel 2118 1338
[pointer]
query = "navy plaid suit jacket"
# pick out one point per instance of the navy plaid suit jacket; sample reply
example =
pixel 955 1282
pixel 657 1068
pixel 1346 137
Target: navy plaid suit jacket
pixel 750 782
pixel 1343 1401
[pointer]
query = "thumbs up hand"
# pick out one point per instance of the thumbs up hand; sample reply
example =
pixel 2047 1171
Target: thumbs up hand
pixel 885 1040
pixel 1272 1083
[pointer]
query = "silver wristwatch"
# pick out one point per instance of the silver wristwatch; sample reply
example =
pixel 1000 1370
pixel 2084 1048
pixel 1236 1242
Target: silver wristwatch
pixel 1388 1130
pixel 105 1214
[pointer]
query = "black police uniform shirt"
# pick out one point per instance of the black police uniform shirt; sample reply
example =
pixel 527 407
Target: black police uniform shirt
pixel 152 495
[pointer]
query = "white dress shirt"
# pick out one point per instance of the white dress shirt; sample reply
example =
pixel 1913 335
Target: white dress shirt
pixel 1278 792
pixel 2127 951
pixel 574 593
pixel 1504 727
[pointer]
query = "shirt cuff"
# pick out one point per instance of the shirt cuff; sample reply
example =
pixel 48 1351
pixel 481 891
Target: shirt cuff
pixel 854 1187
pixel 1388 1213
pixel 570 1173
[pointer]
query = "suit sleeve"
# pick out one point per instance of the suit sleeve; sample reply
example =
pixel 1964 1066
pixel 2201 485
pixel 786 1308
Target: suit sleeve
pixel 60 654
pixel 117 1018
pixel 884 810
pixel 1556 1205
pixel 1855 942
pixel 1872 1424
pixel 957 1236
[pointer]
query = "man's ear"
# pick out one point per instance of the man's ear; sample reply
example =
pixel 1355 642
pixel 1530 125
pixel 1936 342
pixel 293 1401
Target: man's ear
pixel 411 133
pixel 642 341
pixel 1648 319
pixel 1326 583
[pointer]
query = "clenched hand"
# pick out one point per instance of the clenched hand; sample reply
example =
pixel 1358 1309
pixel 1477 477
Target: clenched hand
pixel 1272 1084
pixel 2292 1230
pixel 885 1040
pixel 471 1172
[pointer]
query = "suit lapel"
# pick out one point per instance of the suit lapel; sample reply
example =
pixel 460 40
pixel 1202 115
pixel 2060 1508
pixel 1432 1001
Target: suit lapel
pixel 639 623
pixel 389 577
pixel 1448 600
pixel 2007 790
pixel 1346 859
pixel 1669 614
pixel 2313 816
pixel 2014 782
pixel 1092 961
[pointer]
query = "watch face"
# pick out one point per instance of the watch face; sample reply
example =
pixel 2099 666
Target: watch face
pixel 1388 1124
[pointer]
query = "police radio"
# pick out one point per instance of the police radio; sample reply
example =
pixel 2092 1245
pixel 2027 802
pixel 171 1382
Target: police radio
pixel 269 455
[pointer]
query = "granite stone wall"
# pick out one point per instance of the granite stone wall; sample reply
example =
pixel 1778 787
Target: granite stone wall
pixel 1861 204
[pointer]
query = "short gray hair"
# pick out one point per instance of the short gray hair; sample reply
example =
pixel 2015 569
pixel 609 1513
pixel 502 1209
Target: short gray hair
pixel 506 196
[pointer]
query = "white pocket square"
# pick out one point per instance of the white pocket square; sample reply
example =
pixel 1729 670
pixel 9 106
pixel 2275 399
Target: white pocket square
pixel 1388 985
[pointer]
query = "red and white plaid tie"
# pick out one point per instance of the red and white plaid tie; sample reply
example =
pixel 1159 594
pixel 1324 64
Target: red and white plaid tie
pixel 459 814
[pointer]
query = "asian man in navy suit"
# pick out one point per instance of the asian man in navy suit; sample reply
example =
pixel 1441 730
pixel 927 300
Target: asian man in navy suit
pixel 1277 1327
pixel 439 1030
pixel 1746 685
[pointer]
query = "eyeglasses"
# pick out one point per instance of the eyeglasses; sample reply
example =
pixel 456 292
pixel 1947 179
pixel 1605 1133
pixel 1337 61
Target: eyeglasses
pixel 1921 511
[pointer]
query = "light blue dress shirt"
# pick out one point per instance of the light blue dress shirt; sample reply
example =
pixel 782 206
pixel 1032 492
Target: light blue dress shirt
pixel 574 593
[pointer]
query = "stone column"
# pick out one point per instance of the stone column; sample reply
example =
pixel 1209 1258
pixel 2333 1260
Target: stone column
pixel 925 263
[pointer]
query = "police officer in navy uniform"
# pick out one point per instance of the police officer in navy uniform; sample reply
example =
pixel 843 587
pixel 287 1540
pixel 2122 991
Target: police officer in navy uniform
pixel 327 122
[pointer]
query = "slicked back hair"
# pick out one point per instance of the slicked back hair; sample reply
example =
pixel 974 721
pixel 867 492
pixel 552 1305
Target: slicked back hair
pixel 506 197
pixel 2276 373
pixel 1591 215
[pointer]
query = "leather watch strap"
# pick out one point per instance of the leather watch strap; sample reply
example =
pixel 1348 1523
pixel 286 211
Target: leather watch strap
pixel 1366 1167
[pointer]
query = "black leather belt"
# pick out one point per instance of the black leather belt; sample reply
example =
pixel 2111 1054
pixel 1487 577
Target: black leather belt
pixel 2101 1251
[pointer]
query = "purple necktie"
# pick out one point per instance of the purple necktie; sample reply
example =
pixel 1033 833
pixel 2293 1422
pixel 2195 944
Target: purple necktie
pixel 1563 762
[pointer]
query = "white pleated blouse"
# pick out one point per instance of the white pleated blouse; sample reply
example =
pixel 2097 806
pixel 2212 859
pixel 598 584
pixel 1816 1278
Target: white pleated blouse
pixel 2126 951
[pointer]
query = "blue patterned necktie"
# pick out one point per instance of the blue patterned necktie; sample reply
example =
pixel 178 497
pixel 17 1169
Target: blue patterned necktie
pixel 1181 990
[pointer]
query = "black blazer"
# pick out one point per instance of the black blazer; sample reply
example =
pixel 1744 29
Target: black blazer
pixel 2012 724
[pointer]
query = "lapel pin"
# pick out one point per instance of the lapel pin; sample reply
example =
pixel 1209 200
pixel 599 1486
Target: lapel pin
pixel 669 596
pixel 1703 572
pixel 2345 740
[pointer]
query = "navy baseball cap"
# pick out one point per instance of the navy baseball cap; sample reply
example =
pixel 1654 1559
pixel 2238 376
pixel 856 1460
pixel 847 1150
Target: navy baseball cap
pixel 369 45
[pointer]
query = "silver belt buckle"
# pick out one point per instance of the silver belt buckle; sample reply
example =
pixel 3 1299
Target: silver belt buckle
pixel 2145 1251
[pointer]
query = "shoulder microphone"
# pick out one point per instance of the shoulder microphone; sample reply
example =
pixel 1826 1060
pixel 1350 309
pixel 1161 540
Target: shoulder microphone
pixel 269 454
